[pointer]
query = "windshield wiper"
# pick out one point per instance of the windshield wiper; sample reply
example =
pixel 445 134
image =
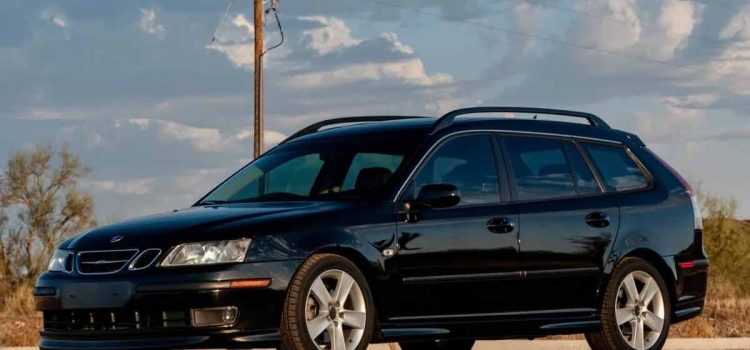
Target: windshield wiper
pixel 216 202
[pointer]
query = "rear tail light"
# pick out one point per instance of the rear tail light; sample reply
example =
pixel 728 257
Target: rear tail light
pixel 687 265
pixel 697 216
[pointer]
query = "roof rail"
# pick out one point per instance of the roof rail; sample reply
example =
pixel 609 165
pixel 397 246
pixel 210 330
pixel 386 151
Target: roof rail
pixel 447 119
pixel 345 120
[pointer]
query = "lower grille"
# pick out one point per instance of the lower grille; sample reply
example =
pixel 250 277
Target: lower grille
pixel 98 320
pixel 105 261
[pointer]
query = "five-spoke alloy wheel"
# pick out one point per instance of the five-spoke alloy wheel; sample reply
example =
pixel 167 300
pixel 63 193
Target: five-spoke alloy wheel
pixel 336 312
pixel 635 309
pixel 640 310
pixel 328 306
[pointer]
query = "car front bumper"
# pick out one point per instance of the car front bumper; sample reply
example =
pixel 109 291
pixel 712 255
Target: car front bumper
pixel 151 309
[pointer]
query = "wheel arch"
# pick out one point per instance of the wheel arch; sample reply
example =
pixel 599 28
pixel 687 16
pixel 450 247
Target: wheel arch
pixel 664 266
pixel 369 268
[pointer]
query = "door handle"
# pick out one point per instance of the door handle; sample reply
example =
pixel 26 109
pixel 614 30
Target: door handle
pixel 597 219
pixel 501 225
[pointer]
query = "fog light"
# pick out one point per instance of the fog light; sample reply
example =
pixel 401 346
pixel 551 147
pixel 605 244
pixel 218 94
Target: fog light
pixel 214 316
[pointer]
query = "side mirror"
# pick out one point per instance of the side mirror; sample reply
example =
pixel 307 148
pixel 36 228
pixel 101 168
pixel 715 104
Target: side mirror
pixel 438 196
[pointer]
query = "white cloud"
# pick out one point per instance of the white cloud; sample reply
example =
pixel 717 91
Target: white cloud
pixel 236 42
pixel 203 139
pixel 675 124
pixel 332 36
pixel 270 137
pixel 241 55
pixel 137 187
pixel 690 101
pixel 56 18
pixel 732 68
pixel 149 25
pixel 678 20
pixel 411 71
pixel 398 46
pixel 240 21
pixel 611 35
pixel 738 26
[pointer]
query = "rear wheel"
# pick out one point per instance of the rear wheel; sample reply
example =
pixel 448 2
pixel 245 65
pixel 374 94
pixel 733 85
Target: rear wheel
pixel 636 309
pixel 328 306
pixel 438 345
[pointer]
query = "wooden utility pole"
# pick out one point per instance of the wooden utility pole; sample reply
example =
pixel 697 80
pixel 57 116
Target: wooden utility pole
pixel 258 75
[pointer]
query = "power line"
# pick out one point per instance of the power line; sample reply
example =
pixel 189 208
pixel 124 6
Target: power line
pixel 223 20
pixel 274 8
pixel 533 36
pixel 543 38
pixel 616 19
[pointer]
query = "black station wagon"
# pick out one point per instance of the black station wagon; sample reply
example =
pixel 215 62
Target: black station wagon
pixel 432 233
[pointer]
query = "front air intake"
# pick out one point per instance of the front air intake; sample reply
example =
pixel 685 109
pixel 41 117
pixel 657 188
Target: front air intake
pixel 145 259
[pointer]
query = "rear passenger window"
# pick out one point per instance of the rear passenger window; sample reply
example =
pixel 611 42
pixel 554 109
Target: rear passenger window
pixel 618 170
pixel 585 181
pixel 540 168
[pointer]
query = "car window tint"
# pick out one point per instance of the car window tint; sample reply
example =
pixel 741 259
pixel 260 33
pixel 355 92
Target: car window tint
pixel 584 178
pixel 467 162
pixel 540 168
pixel 364 163
pixel 618 170
pixel 296 176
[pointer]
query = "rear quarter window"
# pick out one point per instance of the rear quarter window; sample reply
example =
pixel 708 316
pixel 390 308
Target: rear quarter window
pixel 618 169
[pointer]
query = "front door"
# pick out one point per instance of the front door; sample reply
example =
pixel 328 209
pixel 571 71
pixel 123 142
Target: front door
pixel 459 262
pixel 567 226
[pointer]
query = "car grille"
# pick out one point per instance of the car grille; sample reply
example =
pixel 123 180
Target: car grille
pixel 104 262
pixel 98 320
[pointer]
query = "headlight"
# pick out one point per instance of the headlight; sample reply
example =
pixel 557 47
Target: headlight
pixel 207 253
pixel 59 261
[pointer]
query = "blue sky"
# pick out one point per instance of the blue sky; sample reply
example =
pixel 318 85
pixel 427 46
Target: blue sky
pixel 161 114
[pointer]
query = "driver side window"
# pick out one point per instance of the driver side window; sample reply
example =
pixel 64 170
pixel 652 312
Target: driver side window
pixel 467 162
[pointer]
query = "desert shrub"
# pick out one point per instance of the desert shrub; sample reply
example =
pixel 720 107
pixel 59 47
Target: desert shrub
pixel 40 206
pixel 727 243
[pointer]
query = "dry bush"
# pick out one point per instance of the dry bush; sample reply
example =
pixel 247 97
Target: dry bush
pixel 40 206
pixel 727 243
pixel 19 330
pixel 19 301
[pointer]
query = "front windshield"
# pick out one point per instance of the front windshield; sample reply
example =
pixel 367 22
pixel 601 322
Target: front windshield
pixel 317 170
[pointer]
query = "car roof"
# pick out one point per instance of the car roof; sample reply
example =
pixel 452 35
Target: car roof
pixel 424 126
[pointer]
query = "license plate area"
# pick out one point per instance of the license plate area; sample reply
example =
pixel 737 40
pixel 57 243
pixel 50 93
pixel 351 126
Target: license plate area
pixel 95 295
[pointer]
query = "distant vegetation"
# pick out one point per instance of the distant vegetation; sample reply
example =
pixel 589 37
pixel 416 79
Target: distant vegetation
pixel 727 241
pixel 40 206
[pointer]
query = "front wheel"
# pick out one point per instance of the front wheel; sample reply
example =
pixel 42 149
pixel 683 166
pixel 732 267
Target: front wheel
pixel 328 306
pixel 462 344
pixel 636 309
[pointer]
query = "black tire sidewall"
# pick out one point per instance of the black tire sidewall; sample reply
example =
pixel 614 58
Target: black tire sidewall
pixel 627 266
pixel 333 262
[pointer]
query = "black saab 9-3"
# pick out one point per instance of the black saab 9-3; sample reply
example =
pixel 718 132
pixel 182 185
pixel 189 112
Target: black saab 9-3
pixel 432 233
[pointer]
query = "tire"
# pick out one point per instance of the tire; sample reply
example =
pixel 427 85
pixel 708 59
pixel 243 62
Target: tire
pixel 638 291
pixel 438 345
pixel 350 318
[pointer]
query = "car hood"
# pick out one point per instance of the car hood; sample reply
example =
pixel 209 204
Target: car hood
pixel 196 224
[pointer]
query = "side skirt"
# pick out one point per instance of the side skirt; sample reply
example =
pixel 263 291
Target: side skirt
pixel 492 326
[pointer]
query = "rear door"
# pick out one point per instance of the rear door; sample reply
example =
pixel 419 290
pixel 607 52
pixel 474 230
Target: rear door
pixel 567 225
